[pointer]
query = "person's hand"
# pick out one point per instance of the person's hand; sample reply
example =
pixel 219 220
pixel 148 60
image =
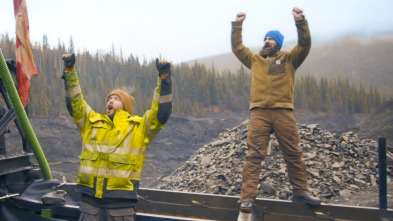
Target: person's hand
pixel 163 67
pixel 297 13
pixel 240 16
pixel 69 60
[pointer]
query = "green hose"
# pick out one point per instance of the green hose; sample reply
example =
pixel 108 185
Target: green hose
pixel 22 116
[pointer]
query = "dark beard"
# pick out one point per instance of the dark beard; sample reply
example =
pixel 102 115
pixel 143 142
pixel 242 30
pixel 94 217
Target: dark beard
pixel 268 51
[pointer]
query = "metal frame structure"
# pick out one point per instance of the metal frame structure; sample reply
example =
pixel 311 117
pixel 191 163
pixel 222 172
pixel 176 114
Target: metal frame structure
pixel 173 205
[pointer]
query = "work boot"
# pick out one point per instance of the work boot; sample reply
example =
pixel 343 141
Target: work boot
pixel 307 199
pixel 246 207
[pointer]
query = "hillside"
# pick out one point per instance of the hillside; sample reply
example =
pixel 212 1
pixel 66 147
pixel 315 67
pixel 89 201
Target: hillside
pixel 378 124
pixel 362 61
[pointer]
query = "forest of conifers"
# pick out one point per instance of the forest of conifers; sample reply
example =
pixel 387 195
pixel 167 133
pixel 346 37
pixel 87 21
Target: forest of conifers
pixel 197 90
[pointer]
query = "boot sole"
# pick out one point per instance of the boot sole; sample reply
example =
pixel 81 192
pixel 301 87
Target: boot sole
pixel 308 202
pixel 246 210
pixel 311 203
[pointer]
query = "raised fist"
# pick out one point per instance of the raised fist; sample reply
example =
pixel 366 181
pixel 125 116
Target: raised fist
pixel 69 60
pixel 163 67
pixel 297 13
pixel 241 16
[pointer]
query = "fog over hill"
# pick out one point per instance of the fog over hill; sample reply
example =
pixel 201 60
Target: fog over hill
pixel 364 61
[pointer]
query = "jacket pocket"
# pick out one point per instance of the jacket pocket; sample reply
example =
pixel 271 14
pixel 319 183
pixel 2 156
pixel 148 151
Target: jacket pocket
pixel 98 130
pixel 277 67
pixel 123 213
pixel 124 166
pixel 89 209
pixel 117 183
pixel 87 168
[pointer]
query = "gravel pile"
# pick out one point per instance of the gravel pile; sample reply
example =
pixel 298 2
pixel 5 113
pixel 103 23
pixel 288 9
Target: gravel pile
pixel 337 165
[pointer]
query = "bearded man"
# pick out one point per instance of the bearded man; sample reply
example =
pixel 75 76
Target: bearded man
pixel 114 144
pixel 272 107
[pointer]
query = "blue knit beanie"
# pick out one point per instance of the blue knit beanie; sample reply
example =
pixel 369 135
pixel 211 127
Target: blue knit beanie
pixel 276 35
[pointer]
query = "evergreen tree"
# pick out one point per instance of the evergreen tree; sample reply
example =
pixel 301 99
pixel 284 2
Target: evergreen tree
pixel 196 89
pixel 71 47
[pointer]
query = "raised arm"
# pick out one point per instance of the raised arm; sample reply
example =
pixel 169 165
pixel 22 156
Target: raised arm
pixel 76 105
pixel 165 99
pixel 161 107
pixel 69 61
pixel 300 52
pixel 243 53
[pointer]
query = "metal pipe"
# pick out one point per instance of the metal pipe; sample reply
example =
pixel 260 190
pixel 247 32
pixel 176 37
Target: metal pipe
pixel 9 196
pixel 382 173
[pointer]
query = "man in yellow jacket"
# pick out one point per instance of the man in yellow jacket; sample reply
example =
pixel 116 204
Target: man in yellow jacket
pixel 271 105
pixel 114 144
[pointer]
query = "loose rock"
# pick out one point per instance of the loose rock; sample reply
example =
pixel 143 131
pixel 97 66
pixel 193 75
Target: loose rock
pixel 337 165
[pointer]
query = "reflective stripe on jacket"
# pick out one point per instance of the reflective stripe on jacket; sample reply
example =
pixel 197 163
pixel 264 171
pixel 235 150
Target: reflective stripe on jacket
pixel 113 152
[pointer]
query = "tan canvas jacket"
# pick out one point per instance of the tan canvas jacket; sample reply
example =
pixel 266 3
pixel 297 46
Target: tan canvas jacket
pixel 273 78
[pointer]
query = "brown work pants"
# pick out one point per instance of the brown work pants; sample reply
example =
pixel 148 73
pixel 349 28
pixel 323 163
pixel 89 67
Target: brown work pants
pixel 282 122
pixel 92 213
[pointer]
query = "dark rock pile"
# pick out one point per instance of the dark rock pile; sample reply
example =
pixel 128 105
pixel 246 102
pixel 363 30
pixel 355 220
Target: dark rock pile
pixel 337 165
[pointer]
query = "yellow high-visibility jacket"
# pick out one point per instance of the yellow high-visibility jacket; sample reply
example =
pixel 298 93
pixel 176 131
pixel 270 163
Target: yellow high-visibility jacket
pixel 113 152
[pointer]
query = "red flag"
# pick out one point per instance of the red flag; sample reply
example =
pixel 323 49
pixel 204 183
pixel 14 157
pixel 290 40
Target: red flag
pixel 24 55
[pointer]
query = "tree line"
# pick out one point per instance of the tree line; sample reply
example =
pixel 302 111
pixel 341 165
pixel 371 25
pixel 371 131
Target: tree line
pixel 197 90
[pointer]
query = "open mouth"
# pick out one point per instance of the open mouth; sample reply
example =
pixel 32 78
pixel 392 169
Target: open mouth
pixel 109 108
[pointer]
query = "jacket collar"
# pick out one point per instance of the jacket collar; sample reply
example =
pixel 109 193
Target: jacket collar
pixel 120 116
